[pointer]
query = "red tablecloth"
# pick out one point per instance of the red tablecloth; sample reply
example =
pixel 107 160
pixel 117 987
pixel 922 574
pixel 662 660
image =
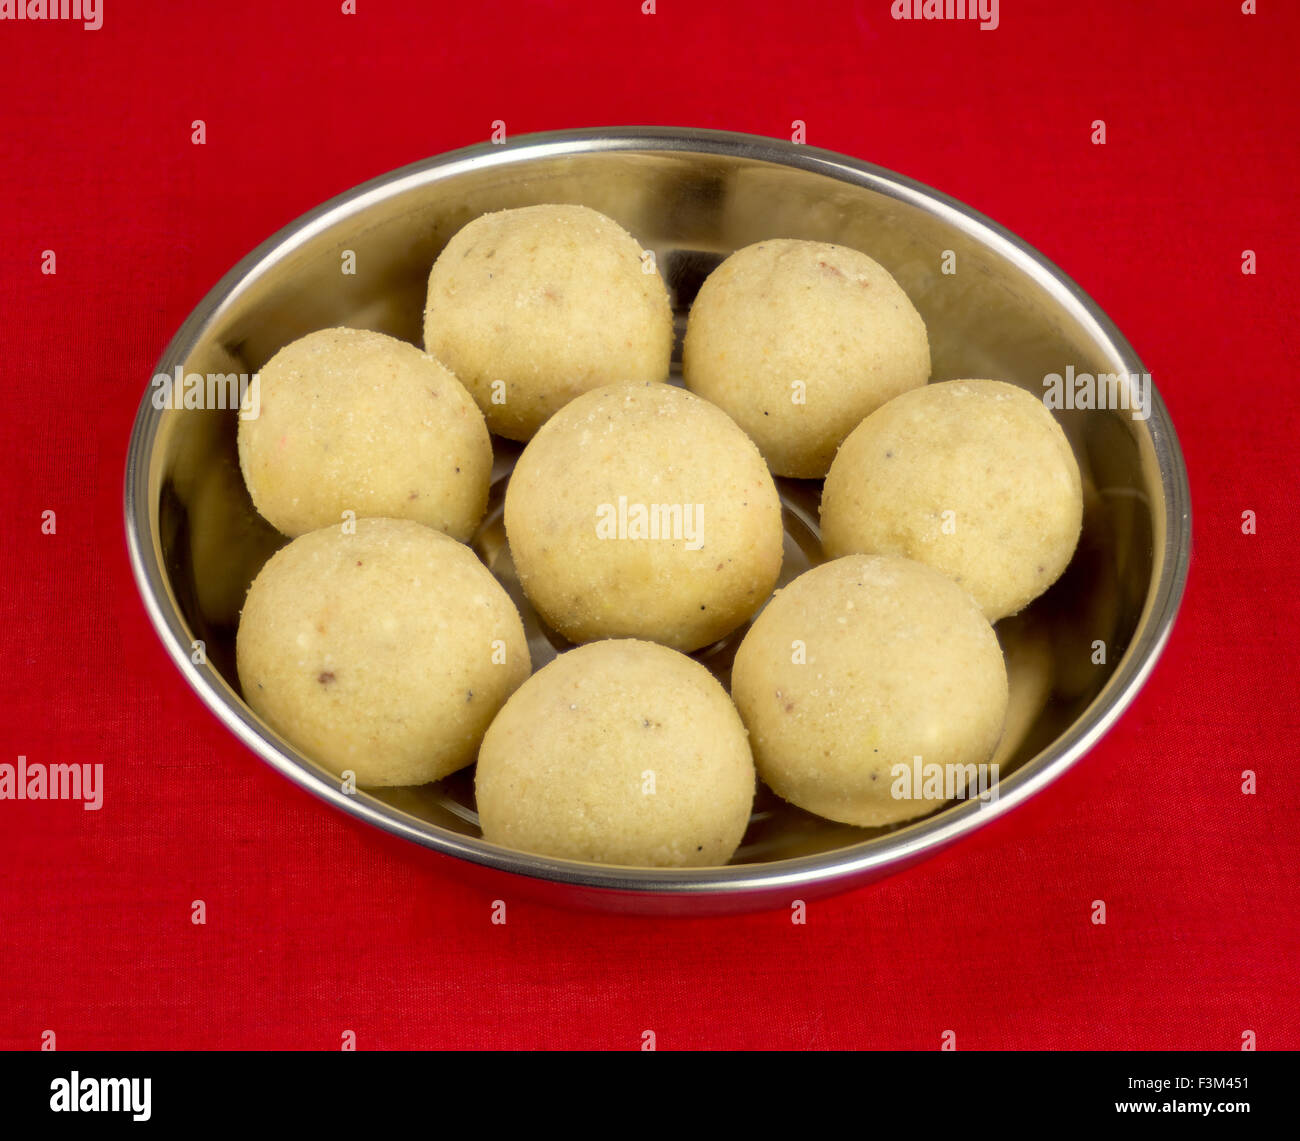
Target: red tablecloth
pixel 316 924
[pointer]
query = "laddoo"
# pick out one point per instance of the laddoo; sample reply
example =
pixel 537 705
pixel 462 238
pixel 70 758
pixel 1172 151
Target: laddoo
pixel 854 671
pixel 798 341
pixel 534 306
pixel 618 752
pixel 352 420
pixel 642 511
pixel 972 477
pixel 383 648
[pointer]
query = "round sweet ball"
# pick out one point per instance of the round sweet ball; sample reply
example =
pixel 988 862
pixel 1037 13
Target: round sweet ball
pixel 619 752
pixel 385 651
pixel 534 306
pixel 351 420
pixel 856 669
pixel 972 477
pixel 799 341
pixel 641 511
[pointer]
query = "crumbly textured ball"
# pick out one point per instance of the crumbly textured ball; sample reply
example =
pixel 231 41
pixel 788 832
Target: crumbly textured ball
pixel 859 666
pixel 357 421
pixel 532 307
pixel 798 341
pixel 641 511
pixel 972 477
pixel 386 651
pixel 619 752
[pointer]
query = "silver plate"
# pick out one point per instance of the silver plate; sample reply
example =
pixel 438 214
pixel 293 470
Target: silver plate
pixel 692 196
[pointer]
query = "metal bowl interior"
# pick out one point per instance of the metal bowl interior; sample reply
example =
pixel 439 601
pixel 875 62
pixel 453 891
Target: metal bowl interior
pixel 1000 311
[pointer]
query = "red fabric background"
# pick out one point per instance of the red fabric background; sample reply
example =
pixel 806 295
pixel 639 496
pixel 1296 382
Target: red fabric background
pixel 317 924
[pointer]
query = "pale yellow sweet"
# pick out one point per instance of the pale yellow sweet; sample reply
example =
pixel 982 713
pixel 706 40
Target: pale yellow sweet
pixel 534 306
pixel 386 651
pixel 642 511
pixel 618 752
pixel 972 477
pixel 858 667
pixel 799 341
pixel 357 421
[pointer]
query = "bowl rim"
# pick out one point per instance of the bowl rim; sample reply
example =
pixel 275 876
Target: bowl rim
pixel 852 863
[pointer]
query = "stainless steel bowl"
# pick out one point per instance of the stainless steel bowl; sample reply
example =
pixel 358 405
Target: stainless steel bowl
pixel 692 196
